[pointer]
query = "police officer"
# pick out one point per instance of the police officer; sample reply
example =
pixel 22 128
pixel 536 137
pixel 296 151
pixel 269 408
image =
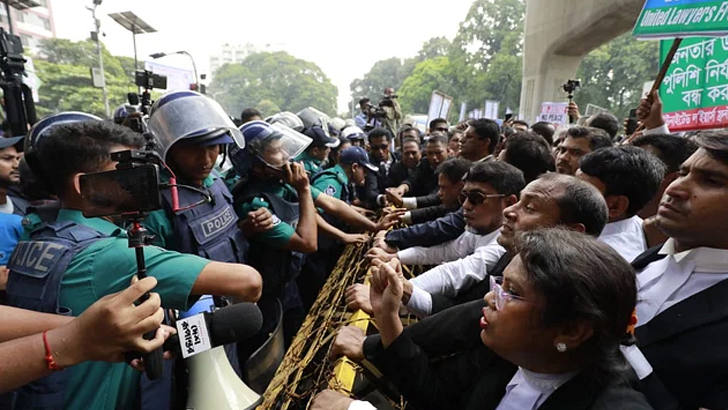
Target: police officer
pixel 65 266
pixel 189 130
pixel 352 167
pixel 269 180
pixel 316 153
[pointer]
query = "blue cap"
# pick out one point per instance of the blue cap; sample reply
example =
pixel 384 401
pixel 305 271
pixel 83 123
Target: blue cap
pixel 9 142
pixel 321 137
pixel 356 155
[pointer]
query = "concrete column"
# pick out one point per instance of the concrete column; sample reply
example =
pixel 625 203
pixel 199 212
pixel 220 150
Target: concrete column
pixel 558 34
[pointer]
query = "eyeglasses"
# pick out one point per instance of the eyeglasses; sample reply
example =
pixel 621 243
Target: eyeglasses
pixel 382 147
pixel 443 129
pixel 501 296
pixel 477 198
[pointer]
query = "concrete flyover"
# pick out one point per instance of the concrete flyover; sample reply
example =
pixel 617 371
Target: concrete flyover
pixel 558 34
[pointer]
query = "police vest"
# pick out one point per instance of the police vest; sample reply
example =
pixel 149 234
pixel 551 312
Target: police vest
pixel 325 242
pixel 277 266
pixel 210 229
pixel 36 269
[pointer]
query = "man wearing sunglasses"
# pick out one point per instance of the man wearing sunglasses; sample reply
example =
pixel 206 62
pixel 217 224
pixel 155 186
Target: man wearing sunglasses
pixel 490 187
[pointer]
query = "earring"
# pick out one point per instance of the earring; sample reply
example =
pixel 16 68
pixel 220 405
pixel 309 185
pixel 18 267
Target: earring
pixel 561 347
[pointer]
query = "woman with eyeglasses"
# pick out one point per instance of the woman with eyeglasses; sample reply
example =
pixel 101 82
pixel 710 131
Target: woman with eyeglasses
pixel 551 332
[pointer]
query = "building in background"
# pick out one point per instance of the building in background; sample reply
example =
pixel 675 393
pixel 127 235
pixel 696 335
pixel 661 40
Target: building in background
pixel 237 53
pixel 32 25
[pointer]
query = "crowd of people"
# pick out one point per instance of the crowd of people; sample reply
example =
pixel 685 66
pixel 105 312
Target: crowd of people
pixel 570 266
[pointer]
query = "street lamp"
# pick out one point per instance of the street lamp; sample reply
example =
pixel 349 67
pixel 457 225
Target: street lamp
pixel 95 37
pixel 194 66
pixel 136 25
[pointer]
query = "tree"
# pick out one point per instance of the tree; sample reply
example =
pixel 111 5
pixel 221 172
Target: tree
pixel 434 47
pixel 429 75
pixel 63 67
pixel 613 75
pixel 278 78
pixel 384 73
pixel 491 34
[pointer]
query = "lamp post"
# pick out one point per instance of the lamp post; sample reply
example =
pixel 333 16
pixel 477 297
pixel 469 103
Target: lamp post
pixel 136 25
pixel 95 37
pixel 194 66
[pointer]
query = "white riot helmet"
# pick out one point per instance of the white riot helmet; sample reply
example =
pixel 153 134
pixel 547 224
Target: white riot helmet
pixel 288 119
pixel 190 115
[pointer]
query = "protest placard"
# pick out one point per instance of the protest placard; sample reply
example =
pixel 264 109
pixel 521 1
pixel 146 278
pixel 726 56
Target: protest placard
pixel 682 18
pixel 555 113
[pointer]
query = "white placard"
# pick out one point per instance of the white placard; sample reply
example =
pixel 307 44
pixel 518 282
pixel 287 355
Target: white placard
pixel 463 109
pixel 491 109
pixel 440 105
pixel 555 113
pixel 193 335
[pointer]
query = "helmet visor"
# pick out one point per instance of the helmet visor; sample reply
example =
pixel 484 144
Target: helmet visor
pixel 279 145
pixel 190 118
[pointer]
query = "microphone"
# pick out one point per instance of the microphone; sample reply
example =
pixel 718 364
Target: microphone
pixel 207 330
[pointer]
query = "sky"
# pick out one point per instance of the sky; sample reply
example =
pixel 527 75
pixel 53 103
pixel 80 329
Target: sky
pixel 343 37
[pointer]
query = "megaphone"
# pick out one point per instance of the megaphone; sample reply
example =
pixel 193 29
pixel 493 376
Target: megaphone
pixel 213 384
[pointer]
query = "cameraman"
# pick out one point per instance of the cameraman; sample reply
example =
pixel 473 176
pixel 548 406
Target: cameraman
pixel 392 111
pixel 84 259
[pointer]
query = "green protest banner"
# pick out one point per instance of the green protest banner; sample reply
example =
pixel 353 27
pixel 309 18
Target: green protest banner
pixel 695 88
pixel 682 18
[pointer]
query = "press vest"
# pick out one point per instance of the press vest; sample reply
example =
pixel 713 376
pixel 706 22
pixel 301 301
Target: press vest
pixel 36 269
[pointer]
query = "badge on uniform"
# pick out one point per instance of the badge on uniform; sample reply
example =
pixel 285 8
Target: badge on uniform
pixel 276 220
pixel 330 190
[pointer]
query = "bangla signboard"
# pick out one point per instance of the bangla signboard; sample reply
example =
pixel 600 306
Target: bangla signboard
pixel 695 89
pixel 682 18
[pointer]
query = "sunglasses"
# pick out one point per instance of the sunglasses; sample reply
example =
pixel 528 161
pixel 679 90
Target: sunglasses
pixel 382 147
pixel 443 129
pixel 477 198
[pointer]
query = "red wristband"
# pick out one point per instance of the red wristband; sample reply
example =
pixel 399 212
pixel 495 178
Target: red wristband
pixel 49 355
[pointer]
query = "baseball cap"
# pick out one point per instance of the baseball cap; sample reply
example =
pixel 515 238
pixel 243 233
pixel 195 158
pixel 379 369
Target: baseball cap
pixel 9 142
pixel 321 137
pixel 218 137
pixel 357 155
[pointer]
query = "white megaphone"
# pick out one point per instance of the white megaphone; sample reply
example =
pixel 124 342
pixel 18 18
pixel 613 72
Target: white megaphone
pixel 213 384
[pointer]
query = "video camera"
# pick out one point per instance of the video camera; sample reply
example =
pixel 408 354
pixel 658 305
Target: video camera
pixel 571 86
pixel 387 100
pixel 19 106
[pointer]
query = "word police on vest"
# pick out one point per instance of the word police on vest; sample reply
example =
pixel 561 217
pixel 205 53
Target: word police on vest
pixel 204 331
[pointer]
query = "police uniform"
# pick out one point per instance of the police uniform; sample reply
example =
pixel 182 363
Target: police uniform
pixel 208 229
pixel 268 254
pixel 90 258
pixel 333 182
pixel 311 165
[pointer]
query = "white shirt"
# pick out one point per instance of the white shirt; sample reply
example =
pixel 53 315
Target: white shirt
pixel 448 279
pixel 528 390
pixel 626 237
pixel 460 247
pixel 8 207
pixel 677 277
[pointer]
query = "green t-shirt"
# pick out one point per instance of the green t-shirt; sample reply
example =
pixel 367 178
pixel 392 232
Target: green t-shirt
pixel 332 182
pixel 159 223
pixel 310 164
pixel 106 267
pixel 281 233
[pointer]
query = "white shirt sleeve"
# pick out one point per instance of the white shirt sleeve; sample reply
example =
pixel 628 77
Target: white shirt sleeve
pixel 445 252
pixel 361 405
pixel 448 279
pixel 663 129
pixel 420 302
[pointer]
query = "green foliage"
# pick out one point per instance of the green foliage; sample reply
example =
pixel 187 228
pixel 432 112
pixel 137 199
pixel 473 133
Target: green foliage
pixel 278 79
pixel 613 75
pixel 484 61
pixel 429 75
pixel 64 68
